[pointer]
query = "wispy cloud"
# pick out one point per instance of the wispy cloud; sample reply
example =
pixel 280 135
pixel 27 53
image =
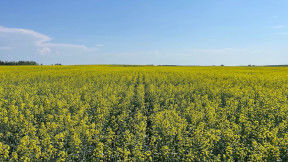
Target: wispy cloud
pixel 40 37
pixel 44 50
pixel 282 33
pixel 274 17
pixel 41 41
pixel 278 26
pixel 220 51
pixel 25 44
pixel 5 48
pixel 21 43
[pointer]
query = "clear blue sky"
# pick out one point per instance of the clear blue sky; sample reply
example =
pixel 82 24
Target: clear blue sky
pixel 184 32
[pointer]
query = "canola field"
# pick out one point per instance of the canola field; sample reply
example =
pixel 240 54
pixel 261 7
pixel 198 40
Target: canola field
pixel 137 113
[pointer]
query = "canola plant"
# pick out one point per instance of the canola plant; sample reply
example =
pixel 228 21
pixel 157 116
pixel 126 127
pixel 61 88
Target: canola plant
pixel 143 113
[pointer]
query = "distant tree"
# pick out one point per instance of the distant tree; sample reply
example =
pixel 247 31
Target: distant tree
pixel 18 63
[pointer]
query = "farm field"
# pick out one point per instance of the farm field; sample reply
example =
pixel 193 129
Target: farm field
pixel 143 113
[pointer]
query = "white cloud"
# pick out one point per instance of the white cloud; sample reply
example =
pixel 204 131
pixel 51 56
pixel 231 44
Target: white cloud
pixel 274 17
pixel 278 26
pixel 5 48
pixel 40 37
pixel 65 45
pixel 99 45
pixel 40 40
pixel 29 44
pixel 221 51
pixel 282 33
pixel 44 50
pixel 24 44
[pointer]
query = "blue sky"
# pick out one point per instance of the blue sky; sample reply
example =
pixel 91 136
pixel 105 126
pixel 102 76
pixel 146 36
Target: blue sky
pixel 183 32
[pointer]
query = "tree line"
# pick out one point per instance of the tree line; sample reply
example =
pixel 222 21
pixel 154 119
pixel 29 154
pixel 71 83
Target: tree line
pixel 18 63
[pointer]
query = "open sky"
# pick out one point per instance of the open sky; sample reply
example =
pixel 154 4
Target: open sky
pixel 183 32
